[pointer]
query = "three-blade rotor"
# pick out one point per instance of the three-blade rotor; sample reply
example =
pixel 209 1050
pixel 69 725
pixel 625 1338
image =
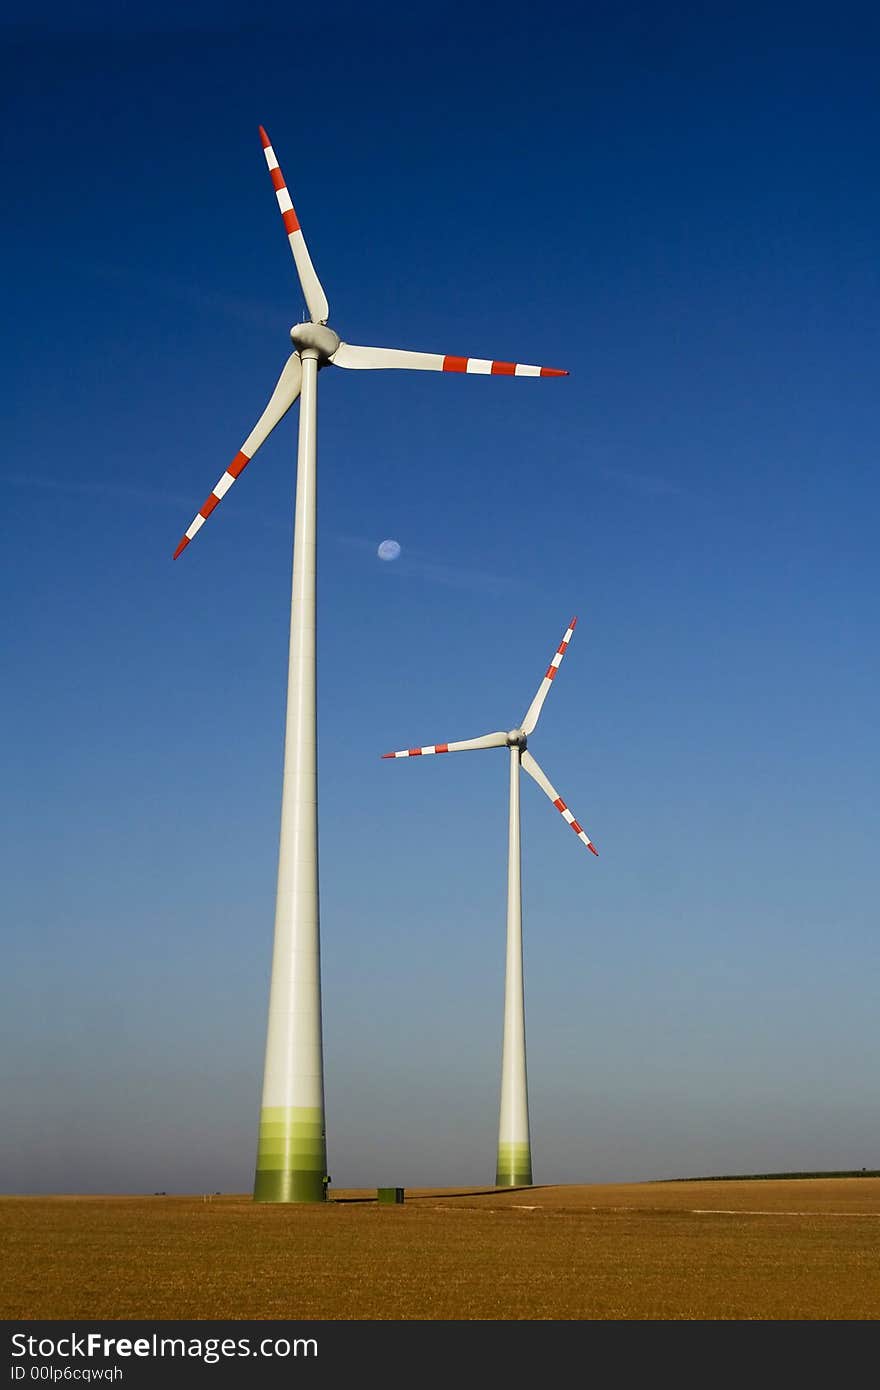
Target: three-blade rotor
pixel 517 739
pixel 334 352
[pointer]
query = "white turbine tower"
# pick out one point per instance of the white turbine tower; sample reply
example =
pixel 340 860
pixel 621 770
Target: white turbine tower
pixel 291 1157
pixel 514 1167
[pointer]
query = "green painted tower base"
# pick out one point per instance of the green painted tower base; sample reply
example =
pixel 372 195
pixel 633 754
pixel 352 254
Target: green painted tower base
pixel 289 1186
pixel 291 1156
pixel 514 1166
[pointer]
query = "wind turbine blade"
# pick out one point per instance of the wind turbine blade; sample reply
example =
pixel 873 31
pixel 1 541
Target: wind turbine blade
pixel 361 358
pixel 487 741
pixel 282 398
pixel 534 708
pixel 316 299
pixel 532 768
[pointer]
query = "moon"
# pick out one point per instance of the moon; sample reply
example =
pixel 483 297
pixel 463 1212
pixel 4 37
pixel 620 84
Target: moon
pixel 388 550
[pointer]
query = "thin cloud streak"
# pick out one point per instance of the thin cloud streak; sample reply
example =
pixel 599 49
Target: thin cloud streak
pixel 184 292
pixel 646 484
pixel 158 497
pixel 417 566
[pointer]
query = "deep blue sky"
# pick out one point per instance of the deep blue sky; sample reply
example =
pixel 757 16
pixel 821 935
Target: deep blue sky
pixel 681 208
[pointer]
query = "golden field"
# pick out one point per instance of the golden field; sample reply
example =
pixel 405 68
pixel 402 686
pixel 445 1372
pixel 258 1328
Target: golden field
pixel 769 1249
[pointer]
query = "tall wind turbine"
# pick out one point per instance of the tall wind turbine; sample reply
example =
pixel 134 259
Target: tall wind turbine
pixel 292 1156
pixel 514 1168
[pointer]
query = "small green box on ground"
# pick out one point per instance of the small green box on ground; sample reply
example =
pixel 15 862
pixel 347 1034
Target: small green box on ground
pixel 392 1195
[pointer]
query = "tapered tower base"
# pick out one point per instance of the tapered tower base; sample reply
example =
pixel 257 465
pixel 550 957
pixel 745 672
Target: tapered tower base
pixel 292 1152
pixel 292 1156
pixel 514 1166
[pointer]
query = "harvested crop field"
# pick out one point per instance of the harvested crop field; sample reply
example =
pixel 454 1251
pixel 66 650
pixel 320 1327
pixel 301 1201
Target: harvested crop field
pixel 770 1249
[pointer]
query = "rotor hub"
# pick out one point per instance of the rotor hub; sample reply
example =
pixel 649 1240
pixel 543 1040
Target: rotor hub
pixel 316 336
pixel 516 739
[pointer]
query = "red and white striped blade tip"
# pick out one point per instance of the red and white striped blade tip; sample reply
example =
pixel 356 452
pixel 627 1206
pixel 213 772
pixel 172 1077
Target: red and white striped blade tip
pixel 493 368
pixel 235 469
pixel 556 662
pixel 485 366
pixel 418 752
pixel 285 206
pixel 313 291
pixel 357 357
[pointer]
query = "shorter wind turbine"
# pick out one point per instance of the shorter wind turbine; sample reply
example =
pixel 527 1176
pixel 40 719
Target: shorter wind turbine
pixel 514 1168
